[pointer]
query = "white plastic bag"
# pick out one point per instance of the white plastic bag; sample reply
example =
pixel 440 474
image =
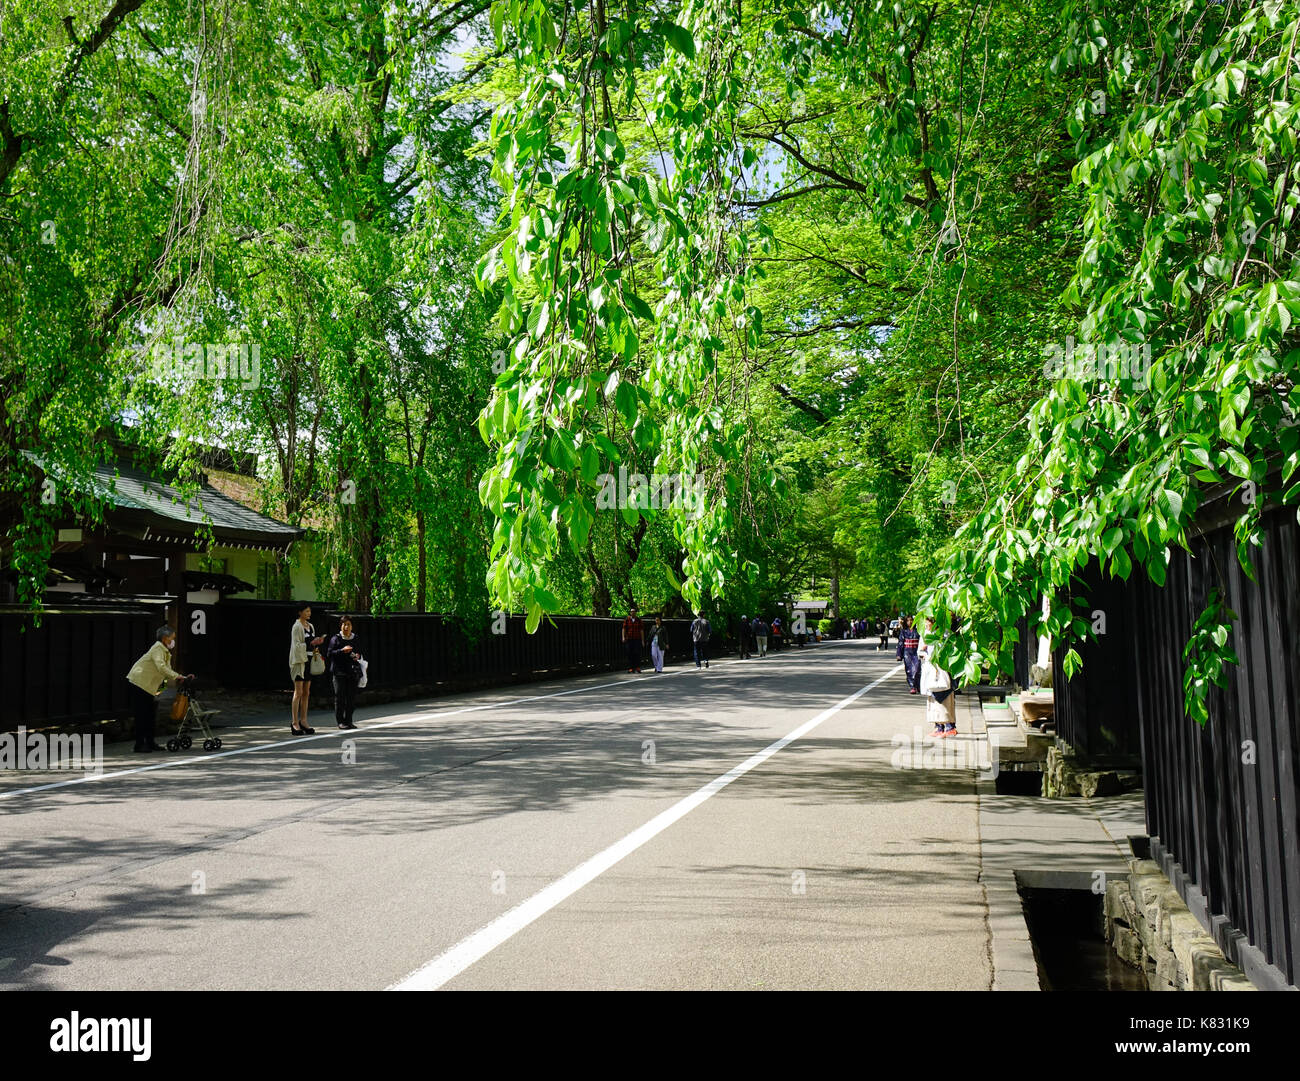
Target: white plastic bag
pixel 365 667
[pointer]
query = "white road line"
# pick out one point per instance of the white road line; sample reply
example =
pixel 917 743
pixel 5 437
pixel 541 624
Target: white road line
pixel 298 741
pixel 475 947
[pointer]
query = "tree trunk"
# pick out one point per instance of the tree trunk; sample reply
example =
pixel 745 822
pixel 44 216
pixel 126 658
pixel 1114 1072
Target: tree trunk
pixel 601 601
pixel 423 560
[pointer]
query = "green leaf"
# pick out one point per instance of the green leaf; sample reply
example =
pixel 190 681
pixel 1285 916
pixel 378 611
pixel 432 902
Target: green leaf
pixel 590 462
pixel 1171 505
pixel 1071 663
pixel 637 306
pixel 608 148
pixel 1120 564
pixel 625 401
pixel 680 39
pixel 1238 462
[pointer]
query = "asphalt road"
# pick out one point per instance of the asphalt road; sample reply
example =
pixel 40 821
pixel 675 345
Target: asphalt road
pixel 532 837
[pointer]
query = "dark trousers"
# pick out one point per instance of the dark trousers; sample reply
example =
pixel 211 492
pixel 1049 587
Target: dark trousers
pixel 345 697
pixel 744 646
pixel 912 666
pixel 634 653
pixel 145 706
pixel 701 653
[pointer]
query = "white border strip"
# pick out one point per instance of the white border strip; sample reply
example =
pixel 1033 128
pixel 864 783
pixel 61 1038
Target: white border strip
pixel 456 960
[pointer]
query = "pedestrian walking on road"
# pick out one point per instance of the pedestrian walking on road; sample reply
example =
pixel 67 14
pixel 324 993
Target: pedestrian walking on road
pixel 908 641
pixel 148 676
pixel 700 631
pixel 344 656
pixel 304 646
pixel 760 633
pixel 882 629
pixel 743 635
pixel 776 634
pixel 633 632
pixel 936 685
pixel 658 643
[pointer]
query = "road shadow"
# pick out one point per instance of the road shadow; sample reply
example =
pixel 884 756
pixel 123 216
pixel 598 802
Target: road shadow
pixel 31 936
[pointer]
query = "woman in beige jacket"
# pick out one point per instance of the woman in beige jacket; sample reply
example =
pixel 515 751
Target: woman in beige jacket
pixel 148 676
pixel 302 641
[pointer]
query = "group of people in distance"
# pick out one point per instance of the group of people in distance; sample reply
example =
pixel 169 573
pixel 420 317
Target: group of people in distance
pixel 635 632
pixel 752 635
pixel 869 628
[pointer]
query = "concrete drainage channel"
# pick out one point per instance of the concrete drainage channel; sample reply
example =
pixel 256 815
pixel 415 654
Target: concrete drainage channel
pixel 1113 930
pixel 1065 916
pixel 1066 852
pixel 1074 899
pixel 1015 779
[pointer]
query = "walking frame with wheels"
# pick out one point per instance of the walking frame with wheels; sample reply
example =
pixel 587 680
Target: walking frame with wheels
pixel 196 719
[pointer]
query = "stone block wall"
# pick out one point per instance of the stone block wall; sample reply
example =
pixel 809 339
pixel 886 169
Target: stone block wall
pixel 1150 928
pixel 1066 774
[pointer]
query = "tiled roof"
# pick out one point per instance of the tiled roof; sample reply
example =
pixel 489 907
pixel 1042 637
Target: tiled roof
pixel 169 514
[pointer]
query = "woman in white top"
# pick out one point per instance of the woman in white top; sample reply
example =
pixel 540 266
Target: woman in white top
pixel 936 685
pixel 302 640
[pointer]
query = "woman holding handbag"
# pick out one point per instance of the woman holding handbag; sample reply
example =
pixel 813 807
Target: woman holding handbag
pixel 658 643
pixel 936 685
pixel 305 661
pixel 345 662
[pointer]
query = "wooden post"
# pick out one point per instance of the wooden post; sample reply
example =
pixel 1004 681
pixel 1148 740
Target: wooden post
pixel 178 615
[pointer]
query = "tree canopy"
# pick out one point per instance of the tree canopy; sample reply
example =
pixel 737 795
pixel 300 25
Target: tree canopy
pixel 937 302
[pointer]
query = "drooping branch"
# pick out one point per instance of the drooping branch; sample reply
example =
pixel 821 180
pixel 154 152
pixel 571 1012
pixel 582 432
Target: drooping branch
pixel 14 143
pixel 835 324
pixel 799 403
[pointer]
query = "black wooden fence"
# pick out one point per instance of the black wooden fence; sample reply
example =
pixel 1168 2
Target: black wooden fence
pixel 73 667
pixel 247 646
pixel 1097 711
pixel 1221 801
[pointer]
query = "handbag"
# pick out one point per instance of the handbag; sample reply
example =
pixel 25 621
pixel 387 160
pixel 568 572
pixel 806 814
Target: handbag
pixel 365 669
pixel 180 704
pixel 317 663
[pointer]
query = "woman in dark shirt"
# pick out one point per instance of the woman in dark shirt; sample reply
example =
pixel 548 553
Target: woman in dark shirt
pixel 345 664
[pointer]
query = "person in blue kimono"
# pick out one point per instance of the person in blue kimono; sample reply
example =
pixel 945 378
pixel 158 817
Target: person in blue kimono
pixel 908 641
